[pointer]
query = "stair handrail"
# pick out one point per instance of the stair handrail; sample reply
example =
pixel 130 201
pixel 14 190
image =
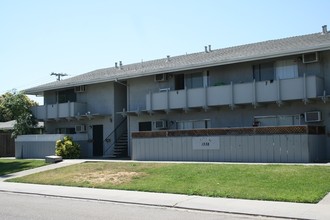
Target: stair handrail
pixel 114 132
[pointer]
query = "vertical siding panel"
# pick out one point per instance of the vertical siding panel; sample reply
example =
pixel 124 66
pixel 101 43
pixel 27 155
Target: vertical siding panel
pixel 270 149
pixel 177 149
pixel 304 148
pixel 233 153
pixel 184 148
pixel 283 144
pixel 154 148
pixel 249 149
pixel 291 148
pixel 144 148
pixel 172 148
pixel 147 144
pixel 298 149
pixel 263 148
pixel 140 151
pixel 244 148
pixel 257 151
pixel 190 148
pixel 277 149
pixel 239 148
pixel 221 156
pixel 164 150
pixel 227 148
pixel 137 149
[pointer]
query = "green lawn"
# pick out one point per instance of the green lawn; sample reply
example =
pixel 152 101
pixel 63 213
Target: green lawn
pixel 8 166
pixel 296 183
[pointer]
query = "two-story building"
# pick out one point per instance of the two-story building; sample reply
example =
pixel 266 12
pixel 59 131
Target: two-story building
pixel 261 102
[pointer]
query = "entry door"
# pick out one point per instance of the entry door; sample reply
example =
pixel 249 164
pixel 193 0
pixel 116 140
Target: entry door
pixel 97 140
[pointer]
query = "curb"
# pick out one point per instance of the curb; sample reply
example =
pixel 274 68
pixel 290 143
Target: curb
pixel 176 206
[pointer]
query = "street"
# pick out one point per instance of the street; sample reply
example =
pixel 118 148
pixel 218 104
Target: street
pixel 25 206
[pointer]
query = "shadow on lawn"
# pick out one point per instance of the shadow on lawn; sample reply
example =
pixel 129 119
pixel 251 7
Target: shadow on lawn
pixel 7 168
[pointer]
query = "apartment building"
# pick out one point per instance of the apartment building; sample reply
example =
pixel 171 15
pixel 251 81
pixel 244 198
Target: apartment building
pixel 261 102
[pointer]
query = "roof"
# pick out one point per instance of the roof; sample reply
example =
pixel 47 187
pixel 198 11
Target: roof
pixel 249 52
pixel 9 125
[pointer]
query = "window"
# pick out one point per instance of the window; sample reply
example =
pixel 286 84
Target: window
pixel 286 69
pixel 193 124
pixel 66 131
pixel 194 80
pixel 66 96
pixel 278 120
pixel 191 81
pixel 145 126
pixel 263 71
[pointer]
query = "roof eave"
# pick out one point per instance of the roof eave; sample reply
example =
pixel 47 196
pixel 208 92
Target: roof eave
pixel 40 90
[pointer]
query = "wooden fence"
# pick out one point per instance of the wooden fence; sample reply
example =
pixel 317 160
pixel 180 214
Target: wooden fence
pixel 7 145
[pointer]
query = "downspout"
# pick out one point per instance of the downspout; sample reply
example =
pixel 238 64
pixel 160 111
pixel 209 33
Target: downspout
pixel 186 98
pixel 279 101
pixel 232 95
pixel 168 101
pixel 129 141
pixel 206 96
pixel 254 93
pixel 305 89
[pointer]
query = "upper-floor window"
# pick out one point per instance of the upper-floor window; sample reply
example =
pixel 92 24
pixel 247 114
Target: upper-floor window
pixel 66 96
pixel 263 71
pixel 192 80
pixel 286 69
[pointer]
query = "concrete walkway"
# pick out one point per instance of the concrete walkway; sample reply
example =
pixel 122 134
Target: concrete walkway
pixel 235 206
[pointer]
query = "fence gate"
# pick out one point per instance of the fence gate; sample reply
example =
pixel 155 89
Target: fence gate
pixel 7 145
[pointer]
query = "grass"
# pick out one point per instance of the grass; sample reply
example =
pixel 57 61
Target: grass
pixel 296 183
pixel 8 166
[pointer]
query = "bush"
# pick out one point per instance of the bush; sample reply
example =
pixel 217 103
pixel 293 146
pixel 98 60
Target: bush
pixel 67 148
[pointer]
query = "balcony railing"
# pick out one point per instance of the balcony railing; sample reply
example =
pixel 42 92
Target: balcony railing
pixel 302 88
pixel 59 110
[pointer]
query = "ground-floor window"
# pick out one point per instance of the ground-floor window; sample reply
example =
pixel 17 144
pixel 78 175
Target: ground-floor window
pixel 193 124
pixel 278 120
pixel 66 131
pixel 145 126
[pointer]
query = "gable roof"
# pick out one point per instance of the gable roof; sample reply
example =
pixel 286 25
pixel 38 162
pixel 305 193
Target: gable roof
pixel 249 52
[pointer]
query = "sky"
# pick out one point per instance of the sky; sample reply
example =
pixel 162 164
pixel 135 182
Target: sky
pixel 39 37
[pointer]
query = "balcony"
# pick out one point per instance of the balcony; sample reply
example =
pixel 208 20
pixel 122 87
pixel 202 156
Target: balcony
pixel 59 111
pixel 303 88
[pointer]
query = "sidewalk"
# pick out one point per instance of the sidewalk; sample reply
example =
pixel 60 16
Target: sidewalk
pixel 235 206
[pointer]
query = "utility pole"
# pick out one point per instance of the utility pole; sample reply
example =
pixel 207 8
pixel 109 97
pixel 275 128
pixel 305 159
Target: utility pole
pixel 59 75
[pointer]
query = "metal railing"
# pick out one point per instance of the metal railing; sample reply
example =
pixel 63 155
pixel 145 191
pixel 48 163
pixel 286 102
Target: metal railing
pixel 113 137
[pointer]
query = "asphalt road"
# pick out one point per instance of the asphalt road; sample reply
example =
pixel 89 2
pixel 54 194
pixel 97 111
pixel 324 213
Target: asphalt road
pixel 23 206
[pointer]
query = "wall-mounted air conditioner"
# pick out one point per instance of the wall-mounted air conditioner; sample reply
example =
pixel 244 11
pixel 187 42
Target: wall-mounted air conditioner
pixel 310 57
pixel 80 128
pixel 313 116
pixel 160 124
pixel 79 89
pixel 160 77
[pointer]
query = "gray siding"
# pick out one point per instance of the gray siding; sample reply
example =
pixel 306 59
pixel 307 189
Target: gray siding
pixel 297 148
pixel 39 146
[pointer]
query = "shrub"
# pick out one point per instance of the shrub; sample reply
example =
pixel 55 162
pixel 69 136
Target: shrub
pixel 67 148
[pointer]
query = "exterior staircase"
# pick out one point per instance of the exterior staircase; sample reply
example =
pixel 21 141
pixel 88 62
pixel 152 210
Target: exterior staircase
pixel 120 148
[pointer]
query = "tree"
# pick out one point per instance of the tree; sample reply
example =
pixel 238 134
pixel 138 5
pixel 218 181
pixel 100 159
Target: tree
pixel 17 106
